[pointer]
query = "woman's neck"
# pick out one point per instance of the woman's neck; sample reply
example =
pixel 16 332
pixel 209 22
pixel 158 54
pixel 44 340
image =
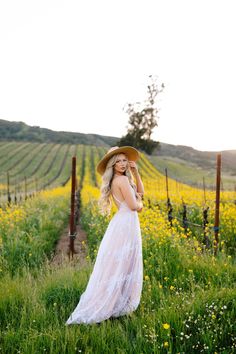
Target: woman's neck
pixel 117 175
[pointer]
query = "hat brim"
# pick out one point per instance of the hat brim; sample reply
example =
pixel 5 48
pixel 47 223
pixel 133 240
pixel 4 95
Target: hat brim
pixel 129 151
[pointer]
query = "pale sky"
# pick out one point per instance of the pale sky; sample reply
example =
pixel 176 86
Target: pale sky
pixel 73 65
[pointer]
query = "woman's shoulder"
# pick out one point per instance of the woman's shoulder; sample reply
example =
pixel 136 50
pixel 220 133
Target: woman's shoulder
pixel 121 180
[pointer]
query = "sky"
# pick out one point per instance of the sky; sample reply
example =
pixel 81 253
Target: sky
pixel 74 65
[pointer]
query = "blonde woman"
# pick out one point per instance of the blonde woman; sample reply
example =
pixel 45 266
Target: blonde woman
pixel 115 284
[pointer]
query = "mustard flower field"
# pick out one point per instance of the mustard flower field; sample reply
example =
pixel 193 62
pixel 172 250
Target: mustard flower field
pixel 188 302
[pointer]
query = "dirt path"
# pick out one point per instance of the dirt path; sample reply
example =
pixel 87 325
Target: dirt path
pixel 62 249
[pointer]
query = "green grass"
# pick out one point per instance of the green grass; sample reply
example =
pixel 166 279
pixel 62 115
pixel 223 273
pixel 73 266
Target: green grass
pixel 31 240
pixel 193 296
pixel 191 173
pixel 34 308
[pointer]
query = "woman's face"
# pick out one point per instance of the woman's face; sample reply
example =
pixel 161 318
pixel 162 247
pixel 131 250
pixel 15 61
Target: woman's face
pixel 120 165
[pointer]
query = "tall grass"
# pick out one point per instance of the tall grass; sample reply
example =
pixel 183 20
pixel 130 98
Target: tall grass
pixel 187 305
pixel 29 232
pixel 197 315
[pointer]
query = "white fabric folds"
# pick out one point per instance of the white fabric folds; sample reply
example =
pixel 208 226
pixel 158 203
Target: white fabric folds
pixel 115 284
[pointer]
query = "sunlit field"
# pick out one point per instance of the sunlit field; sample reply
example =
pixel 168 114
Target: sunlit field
pixel 188 299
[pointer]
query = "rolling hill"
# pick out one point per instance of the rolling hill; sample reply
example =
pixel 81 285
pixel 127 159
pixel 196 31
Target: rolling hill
pixel 19 131
pixel 183 162
pixel 190 166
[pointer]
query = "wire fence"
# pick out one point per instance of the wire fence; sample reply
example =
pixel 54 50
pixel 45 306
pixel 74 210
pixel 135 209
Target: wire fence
pixel 184 220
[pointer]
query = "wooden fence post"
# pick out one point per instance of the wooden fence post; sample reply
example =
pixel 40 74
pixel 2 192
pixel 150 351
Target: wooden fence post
pixel 185 219
pixel 204 190
pixel 25 187
pixel 206 240
pixel 217 206
pixel 167 188
pixel 169 206
pixel 72 232
pixel 8 189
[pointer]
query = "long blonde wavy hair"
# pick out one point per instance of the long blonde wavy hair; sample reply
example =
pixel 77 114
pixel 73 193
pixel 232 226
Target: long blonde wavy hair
pixel 105 200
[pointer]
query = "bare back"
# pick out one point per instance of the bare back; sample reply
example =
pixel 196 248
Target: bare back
pixel 122 190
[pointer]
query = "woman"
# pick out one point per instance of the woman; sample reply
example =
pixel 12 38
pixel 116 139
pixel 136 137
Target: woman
pixel 115 285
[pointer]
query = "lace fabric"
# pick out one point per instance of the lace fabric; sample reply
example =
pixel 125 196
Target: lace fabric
pixel 115 284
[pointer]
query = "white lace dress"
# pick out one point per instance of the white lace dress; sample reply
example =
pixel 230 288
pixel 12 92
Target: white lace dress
pixel 115 284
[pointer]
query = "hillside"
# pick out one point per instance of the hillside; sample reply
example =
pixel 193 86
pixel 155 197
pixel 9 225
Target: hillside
pixel 190 166
pixel 203 159
pixel 19 131
pixel 183 162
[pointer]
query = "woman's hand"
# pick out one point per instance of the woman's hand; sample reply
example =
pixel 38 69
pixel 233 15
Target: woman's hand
pixel 140 206
pixel 133 166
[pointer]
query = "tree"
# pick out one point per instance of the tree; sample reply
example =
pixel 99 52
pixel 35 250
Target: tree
pixel 143 119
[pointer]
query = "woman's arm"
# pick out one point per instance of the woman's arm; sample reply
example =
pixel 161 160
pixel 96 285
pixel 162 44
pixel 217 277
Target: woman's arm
pixel 128 195
pixel 139 183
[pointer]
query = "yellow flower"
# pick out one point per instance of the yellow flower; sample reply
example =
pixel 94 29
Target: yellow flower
pixel 172 287
pixel 160 286
pixel 146 277
pixel 213 316
pixel 166 325
pixel 166 344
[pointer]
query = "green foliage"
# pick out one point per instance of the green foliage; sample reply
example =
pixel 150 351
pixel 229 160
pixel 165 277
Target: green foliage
pixel 138 142
pixel 89 219
pixel 192 294
pixel 187 305
pixel 142 120
pixel 32 240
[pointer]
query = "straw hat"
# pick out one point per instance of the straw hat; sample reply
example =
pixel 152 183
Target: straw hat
pixel 129 151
